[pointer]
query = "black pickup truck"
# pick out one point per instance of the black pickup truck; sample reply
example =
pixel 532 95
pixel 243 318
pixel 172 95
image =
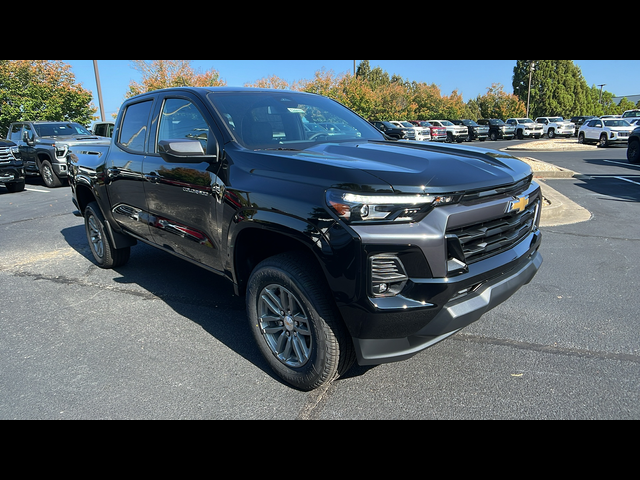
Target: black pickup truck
pixel 351 247
pixel 43 147
pixel 11 168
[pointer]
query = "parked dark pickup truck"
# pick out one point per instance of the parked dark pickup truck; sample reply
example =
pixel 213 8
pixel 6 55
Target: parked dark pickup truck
pixel 346 247
pixel 11 168
pixel 43 147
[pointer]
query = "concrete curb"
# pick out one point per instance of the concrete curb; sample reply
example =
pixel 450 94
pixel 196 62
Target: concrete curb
pixel 560 210
pixel 556 208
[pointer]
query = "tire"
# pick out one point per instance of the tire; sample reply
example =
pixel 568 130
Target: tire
pixel 105 255
pixel 449 138
pixel 49 176
pixel 295 323
pixel 493 136
pixel 603 142
pixel 551 133
pixel 520 136
pixel 633 151
pixel 14 187
pixel 582 139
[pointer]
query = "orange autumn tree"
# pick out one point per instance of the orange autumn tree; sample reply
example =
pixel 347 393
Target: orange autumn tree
pixel 496 103
pixel 41 90
pixel 273 81
pixel 157 74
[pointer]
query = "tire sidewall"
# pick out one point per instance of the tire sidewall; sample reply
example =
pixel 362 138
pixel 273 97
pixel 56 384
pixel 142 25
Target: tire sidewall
pixel 633 152
pixel 317 369
pixel 90 211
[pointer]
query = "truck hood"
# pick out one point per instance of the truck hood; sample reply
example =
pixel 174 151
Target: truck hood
pixel 76 140
pixel 405 167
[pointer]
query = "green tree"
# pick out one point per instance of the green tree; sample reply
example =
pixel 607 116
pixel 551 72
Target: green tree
pixel 41 90
pixel 557 88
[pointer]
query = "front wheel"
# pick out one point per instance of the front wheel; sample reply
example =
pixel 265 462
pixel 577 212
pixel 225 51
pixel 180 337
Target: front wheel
pixel 295 322
pixel 49 176
pixel 633 151
pixel 105 255
pixel 603 142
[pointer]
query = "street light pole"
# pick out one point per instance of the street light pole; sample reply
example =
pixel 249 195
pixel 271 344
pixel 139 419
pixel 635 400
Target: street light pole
pixel 601 85
pixel 95 69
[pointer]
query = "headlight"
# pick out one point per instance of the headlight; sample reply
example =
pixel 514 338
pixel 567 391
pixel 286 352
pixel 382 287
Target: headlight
pixel 356 207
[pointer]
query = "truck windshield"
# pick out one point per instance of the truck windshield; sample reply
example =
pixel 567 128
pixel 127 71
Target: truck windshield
pixel 60 129
pixel 283 119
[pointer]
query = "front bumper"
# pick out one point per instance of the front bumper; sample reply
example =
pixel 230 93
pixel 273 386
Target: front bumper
pixel 453 316
pixel 11 174
pixel 530 132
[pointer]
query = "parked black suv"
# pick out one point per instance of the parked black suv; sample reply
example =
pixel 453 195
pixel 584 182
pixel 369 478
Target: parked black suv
pixel 390 130
pixel 11 168
pixel 43 147
pixel 476 132
pixel 498 129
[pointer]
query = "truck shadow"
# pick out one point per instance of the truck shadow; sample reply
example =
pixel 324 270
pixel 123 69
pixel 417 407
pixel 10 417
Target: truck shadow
pixel 191 291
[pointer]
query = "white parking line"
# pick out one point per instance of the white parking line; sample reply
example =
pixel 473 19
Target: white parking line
pixel 627 180
pixel 31 189
pixel 630 165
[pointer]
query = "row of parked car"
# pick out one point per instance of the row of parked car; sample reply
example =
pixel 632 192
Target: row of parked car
pixel 483 129
pixel 605 130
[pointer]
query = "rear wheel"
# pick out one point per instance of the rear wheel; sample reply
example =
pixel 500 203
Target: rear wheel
pixel 105 255
pixel 295 322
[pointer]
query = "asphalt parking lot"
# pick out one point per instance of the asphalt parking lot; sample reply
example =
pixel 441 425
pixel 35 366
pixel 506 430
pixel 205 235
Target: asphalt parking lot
pixel 163 339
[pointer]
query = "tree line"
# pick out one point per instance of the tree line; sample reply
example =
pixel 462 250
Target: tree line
pixel 46 90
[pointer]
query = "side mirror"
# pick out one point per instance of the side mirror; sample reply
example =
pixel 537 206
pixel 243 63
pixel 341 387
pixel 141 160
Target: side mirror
pixel 183 151
pixel 27 137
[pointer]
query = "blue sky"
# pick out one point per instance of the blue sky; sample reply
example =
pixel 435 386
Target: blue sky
pixel 469 77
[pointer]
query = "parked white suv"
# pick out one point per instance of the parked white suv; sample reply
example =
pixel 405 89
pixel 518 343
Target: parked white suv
pixel 605 131
pixel 525 127
pixel 414 132
pixel 554 126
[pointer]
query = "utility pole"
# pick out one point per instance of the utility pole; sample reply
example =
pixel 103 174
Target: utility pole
pixel 95 69
pixel 531 65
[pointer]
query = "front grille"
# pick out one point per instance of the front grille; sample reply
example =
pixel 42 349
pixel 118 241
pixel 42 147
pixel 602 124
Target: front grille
pixel 485 239
pixel 5 155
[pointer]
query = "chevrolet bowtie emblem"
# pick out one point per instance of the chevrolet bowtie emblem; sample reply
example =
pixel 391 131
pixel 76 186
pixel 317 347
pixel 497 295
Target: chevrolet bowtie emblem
pixel 518 204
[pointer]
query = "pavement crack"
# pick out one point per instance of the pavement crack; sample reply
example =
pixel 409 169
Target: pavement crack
pixel 552 349
pixel 315 401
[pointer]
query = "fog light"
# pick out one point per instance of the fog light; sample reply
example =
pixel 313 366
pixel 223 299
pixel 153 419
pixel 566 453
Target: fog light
pixel 380 288
pixel 388 276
